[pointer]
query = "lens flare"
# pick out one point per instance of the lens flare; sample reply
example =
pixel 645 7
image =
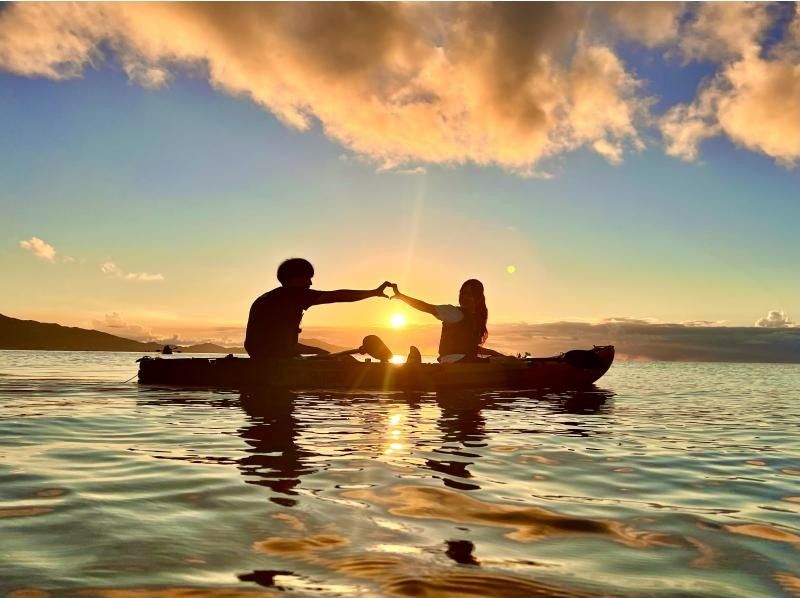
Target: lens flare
pixel 511 269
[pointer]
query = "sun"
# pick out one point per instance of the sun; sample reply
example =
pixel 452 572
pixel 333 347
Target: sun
pixel 397 320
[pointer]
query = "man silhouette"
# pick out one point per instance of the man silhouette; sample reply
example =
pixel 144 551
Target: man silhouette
pixel 273 327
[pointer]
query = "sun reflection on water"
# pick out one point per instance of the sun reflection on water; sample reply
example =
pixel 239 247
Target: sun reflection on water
pixel 395 434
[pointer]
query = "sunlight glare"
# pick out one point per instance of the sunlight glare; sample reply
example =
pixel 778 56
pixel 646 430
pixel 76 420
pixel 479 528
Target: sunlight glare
pixel 398 359
pixel 395 435
pixel 398 320
pixel 511 269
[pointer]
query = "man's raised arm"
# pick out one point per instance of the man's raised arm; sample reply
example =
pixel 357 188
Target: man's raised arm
pixel 348 295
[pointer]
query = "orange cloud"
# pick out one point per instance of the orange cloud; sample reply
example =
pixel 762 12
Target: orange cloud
pixel 404 84
pixel 114 324
pixel 39 248
pixel 112 268
pixel 776 319
pixel 754 98
pixel 506 84
pixel 722 31
pixel 652 23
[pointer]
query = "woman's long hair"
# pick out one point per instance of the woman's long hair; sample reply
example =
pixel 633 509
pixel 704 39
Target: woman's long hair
pixel 474 289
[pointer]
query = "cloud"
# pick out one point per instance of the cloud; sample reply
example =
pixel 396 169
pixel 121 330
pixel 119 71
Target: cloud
pixel 112 269
pixel 755 102
pixel 173 333
pixel 722 31
pixel 664 342
pixel 147 76
pixel 652 23
pixel 776 319
pixel 685 126
pixel 410 171
pixel 113 320
pixel 39 248
pixel 114 324
pixel 704 323
pixel 634 338
pixel 44 250
pixel 506 84
pixel 405 84
pixel 754 98
pixel 143 276
pixel 109 268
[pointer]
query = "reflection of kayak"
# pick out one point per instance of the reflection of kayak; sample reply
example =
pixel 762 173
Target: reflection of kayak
pixel 571 369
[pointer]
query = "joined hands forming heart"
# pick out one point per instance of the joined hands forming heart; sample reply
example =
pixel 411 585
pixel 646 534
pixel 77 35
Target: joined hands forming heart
pixel 381 290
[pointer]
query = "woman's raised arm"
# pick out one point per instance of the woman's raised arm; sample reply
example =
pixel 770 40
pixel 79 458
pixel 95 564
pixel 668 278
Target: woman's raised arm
pixel 415 303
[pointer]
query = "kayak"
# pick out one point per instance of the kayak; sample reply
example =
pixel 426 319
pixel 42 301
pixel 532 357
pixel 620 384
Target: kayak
pixel 572 369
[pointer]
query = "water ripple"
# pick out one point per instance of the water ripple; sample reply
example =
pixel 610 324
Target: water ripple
pixel 671 479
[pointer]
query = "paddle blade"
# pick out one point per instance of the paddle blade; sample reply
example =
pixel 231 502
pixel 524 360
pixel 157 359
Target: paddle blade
pixel 375 347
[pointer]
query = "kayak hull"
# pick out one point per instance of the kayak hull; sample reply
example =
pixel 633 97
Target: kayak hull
pixel 572 369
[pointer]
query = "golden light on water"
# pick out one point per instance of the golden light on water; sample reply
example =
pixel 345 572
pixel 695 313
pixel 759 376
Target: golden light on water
pixel 395 435
pixel 397 320
pixel 511 269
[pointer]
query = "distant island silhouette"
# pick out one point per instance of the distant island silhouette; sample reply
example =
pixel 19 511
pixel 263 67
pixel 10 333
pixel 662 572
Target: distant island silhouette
pixel 16 334
pixel 634 339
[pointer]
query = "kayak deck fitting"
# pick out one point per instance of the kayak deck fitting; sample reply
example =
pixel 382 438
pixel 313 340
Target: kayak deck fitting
pixel 569 370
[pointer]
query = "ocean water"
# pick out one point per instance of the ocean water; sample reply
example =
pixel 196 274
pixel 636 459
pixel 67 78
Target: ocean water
pixel 666 479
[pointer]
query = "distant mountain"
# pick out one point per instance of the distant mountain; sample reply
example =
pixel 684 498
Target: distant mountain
pixel 32 335
pixel 29 334
pixel 212 348
pixel 315 342
pixel 208 348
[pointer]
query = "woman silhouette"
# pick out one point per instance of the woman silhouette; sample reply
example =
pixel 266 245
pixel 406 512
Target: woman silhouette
pixel 463 326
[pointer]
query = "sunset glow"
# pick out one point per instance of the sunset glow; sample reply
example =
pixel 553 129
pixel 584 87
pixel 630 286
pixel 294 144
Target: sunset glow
pixel 380 298
pixel 616 168
pixel 397 320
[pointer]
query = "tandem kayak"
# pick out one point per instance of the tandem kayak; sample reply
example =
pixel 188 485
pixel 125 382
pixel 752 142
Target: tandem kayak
pixel 573 369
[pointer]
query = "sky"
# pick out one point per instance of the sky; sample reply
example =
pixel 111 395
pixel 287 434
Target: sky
pixel 590 163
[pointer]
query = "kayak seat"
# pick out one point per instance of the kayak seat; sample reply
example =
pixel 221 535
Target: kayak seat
pixel 414 356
